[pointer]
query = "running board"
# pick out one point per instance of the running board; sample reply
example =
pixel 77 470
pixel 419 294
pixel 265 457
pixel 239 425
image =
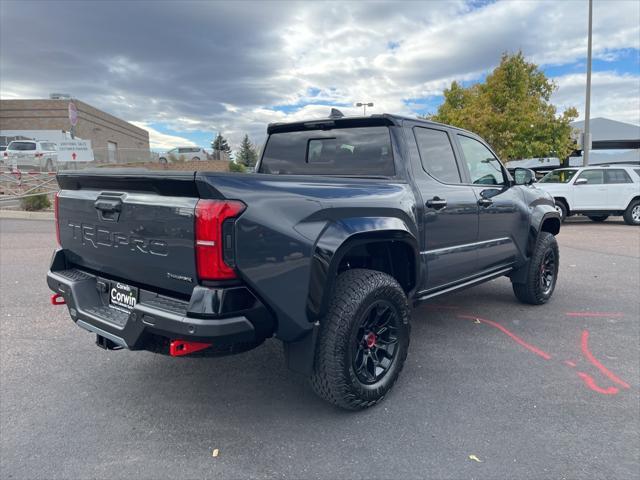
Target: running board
pixel 422 296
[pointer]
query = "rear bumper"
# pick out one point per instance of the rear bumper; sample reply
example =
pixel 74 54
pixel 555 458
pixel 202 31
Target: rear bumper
pixel 221 316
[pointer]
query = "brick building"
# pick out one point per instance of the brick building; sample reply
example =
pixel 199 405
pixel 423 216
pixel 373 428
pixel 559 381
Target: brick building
pixel 113 140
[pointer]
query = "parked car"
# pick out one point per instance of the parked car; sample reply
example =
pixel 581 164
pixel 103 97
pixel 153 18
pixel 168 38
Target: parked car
pixel 31 153
pixel 186 154
pixel 596 192
pixel 347 224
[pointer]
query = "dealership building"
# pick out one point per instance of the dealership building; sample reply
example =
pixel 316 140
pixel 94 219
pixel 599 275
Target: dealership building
pixel 113 140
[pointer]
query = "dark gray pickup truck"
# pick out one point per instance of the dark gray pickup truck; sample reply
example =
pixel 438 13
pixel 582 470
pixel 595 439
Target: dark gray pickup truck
pixel 347 224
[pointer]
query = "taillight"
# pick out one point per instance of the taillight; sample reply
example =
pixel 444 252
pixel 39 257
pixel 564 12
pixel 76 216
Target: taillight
pixel 214 238
pixel 56 208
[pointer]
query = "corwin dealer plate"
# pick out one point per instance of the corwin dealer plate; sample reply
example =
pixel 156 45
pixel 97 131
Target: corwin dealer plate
pixel 122 296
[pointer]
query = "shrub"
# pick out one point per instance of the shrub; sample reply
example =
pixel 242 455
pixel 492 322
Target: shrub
pixel 236 167
pixel 35 203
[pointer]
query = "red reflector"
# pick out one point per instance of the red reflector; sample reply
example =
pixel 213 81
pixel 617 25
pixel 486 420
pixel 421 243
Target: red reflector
pixel 57 299
pixel 56 209
pixel 178 348
pixel 210 215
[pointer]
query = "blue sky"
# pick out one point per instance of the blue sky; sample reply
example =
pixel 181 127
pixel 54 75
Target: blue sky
pixel 234 67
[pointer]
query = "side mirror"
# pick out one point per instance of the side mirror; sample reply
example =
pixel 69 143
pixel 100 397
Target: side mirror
pixel 524 176
pixel 581 181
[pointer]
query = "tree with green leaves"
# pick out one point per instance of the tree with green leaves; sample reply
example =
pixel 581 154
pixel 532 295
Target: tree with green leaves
pixel 247 155
pixel 512 111
pixel 220 144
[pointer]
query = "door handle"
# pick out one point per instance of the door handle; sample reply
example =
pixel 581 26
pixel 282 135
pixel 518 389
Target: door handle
pixel 108 208
pixel 436 203
pixel 108 205
pixel 485 202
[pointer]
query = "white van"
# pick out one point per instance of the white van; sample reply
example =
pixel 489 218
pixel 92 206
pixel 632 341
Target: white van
pixel 186 154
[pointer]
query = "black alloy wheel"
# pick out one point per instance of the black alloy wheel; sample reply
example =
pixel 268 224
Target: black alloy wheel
pixel 374 343
pixel 548 271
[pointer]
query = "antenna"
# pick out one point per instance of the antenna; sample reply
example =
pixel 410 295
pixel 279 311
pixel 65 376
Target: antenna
pixel 335 113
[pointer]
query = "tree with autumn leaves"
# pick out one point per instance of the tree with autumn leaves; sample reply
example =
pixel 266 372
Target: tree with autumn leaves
pixel 512 111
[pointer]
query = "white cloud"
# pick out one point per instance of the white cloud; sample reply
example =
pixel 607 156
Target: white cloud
pixel 612 95
pixel 225 67
pixel 162 141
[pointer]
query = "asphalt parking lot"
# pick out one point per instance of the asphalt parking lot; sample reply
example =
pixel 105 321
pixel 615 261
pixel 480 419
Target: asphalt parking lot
pixel 491 389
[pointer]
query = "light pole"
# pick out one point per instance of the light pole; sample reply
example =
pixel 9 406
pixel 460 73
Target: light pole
pixel 586 143
pixel 364 107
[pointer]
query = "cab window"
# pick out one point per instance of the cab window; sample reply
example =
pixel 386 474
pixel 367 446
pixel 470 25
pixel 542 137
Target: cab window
pixel 484 167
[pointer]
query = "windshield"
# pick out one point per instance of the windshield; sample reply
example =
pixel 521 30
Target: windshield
pixel 22 146
pixel 558 176
pixel 360 151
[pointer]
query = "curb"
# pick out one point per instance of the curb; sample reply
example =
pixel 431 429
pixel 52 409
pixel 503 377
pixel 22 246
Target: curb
pixel 22 215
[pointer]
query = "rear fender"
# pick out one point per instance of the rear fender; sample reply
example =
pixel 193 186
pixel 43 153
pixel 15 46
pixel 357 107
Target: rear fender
pixel 336 240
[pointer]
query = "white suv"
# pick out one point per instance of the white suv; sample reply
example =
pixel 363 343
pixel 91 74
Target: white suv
pixel 186 154
pixel 596 192
pixel 31 153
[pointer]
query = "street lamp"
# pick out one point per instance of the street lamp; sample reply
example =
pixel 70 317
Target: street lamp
pixel 586 139
pixel 364 106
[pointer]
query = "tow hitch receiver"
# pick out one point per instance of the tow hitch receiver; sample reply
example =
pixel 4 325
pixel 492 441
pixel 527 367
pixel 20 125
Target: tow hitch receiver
pixel 178 348
pixel 57 299
pixel 107 344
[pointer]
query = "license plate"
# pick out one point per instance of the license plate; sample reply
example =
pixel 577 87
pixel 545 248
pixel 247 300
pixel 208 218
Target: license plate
pixel 122 296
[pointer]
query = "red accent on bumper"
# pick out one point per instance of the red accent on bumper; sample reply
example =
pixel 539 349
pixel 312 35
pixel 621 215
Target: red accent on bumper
pixel 178 348
pixel 57 299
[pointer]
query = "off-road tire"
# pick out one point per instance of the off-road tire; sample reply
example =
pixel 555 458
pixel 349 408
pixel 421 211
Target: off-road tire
pixel 531 291
pixel 334 378
pixel 629 213
pixel 196 159
pixel 598 218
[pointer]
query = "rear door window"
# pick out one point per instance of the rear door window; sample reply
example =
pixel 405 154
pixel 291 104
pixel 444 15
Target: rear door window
pixel 594 177
pixel 360 151
pixel 436 154
pixel 616 176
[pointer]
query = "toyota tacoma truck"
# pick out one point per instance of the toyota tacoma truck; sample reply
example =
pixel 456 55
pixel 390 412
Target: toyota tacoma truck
pixel 347 224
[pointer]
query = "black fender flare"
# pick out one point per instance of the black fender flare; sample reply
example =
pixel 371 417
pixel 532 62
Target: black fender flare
pixel 337 239
pixel 537 221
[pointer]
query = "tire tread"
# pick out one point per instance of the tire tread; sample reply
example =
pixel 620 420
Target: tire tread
pixel 329 379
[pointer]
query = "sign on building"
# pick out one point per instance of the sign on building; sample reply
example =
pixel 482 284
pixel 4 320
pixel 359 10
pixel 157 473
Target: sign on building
pixel 75 151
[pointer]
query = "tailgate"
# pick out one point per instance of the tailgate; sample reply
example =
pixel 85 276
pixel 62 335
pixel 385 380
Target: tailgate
pixel 138 229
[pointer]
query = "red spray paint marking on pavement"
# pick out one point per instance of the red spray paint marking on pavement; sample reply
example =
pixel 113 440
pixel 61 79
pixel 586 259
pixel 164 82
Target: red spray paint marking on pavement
pixel 589 356
pixel 586 378
pixel 595 314
pixel 511 335
pixel 590 382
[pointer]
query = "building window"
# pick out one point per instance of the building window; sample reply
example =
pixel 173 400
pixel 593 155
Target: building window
pixel 112 152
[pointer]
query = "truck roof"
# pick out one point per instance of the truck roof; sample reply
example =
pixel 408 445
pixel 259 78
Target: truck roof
pixel 369 120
